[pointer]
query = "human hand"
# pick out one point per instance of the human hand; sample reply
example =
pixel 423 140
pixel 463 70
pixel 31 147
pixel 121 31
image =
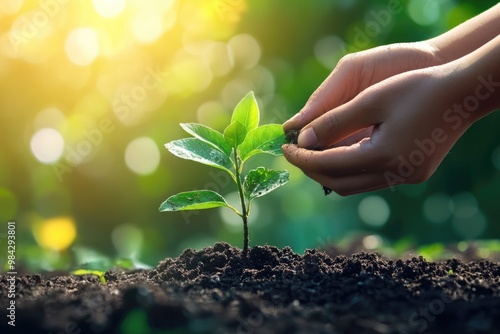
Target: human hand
pixel 397 132
pixel 356 72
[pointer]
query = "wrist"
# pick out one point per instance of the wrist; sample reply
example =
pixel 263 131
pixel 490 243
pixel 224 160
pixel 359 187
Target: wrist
pixel 430 52
pixel 472 91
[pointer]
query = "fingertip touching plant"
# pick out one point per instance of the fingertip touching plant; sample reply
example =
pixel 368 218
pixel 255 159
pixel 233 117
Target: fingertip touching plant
pixel 242 139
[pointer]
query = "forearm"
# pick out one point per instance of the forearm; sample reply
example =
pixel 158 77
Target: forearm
pixel 468 36
pixel 475 81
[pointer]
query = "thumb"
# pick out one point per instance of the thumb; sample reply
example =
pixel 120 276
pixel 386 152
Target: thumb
pixel 338 124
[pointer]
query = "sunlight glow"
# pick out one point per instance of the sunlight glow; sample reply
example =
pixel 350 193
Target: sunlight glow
pixel 47 145
pixel 109 8
pixel 82 46
pixel 147 26
pixel 10 7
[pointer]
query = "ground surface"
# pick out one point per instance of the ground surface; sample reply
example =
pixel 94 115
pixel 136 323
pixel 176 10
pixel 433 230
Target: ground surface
pixel 274 291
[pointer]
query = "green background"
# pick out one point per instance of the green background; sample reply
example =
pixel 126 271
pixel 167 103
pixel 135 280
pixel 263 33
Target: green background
pixel 282 50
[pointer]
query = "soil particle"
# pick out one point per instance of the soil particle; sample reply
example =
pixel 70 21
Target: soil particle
pixel 216 290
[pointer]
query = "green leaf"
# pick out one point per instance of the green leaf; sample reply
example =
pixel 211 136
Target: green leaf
pixel 100 274
pixel 199 151
pixel 247 112
pixel 208 135
pixel 265 139
pixel 235 134
pixel 262 181
pixel 193 200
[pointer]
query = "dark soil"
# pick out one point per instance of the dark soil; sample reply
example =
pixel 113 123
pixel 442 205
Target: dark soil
pixel 273 291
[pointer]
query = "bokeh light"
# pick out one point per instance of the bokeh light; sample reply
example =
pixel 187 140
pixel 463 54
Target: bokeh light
pixel 246 50
pixel 127 240
pixel 142 156
pixel 424 12
pixel 47 145
pixel 49 118
pixel 10 7
pixel 438 208
pixel 56 233
pixel 218 57
pixel 82 46
pixel 92 90
pixel 328 50
pixel 374 210
pixel 465 204
pixel 471 227
pixel 109 8
pixel 372 241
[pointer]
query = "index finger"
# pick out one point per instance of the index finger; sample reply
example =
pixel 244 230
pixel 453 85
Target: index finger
pixel 338 161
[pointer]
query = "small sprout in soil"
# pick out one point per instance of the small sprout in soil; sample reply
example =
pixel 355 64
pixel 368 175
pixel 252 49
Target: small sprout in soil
pixel 243 138
pixel 98 273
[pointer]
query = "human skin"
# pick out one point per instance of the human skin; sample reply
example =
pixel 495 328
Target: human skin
pixel 361 130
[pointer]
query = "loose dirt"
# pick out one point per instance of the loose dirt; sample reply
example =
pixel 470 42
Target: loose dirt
pixel 274 291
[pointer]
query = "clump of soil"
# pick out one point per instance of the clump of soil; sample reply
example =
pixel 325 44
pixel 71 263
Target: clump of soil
pixel 292 136
pixel 215 290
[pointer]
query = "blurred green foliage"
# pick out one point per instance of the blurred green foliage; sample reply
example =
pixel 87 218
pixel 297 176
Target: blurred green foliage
pixel 280 49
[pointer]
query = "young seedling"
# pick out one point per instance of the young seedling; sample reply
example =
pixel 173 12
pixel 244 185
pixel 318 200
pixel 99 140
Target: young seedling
pixel 98 273
pixel 242 139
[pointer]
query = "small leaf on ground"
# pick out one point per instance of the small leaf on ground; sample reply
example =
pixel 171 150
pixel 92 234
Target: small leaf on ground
pixel 199 151
pixel 262 181
pixel 235 134
pixel 265 139
pixel 210 136
pixel 100 274
pixel 247 112
pixel 193 200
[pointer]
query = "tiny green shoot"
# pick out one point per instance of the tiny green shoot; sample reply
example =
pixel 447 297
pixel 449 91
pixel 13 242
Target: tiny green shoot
pixel 98 273
pixel 242 139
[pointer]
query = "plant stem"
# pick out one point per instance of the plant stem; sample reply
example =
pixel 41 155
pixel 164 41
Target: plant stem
pixel 244 212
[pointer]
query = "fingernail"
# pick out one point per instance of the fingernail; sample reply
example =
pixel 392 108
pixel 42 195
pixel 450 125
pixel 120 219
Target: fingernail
pixel 307 138
pixel 293 119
